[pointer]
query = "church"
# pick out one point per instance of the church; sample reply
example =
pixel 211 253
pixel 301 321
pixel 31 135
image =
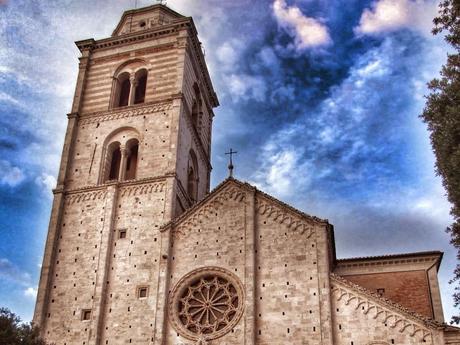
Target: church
pixel 140 251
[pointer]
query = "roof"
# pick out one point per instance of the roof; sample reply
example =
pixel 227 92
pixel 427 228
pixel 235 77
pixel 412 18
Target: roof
pixel 436 253
pixel 248 187
pixel 146 9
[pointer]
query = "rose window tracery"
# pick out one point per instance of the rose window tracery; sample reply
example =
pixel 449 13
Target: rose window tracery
pixel 206 303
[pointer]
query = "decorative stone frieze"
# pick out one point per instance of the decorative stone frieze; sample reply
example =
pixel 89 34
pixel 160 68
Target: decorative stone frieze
pixel 381 309
pixel 124 113
pixel 210 207
pixel 132 190
pixel 85 196
pixel 269 210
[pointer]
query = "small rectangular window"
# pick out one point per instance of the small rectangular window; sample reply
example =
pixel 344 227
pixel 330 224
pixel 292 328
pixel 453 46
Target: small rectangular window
pixel 86 314
pixel 381 292
pixel 122 233
pixel 142 292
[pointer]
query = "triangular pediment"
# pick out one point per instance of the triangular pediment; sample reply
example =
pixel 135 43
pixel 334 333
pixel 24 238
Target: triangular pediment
pixel 265 205
pixel 146 18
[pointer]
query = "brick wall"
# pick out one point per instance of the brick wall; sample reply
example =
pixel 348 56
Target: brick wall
pixel 410 289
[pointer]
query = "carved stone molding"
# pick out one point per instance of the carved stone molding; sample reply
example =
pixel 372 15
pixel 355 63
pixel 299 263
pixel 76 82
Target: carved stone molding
pixel 382 310
pixel 209 208
pixel 149 188
pixel 206 304
pixel 268 210
pixel 85 196
pixel 124 113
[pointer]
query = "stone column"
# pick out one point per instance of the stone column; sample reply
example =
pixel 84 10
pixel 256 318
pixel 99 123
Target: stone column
pixel 132 90
pixel 123 163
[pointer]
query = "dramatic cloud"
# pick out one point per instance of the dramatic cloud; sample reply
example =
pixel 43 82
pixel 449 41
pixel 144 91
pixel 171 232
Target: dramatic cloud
pixel 335 134
pixel 246 87
pixel 11 175
pixel 389 15
pixel 308 32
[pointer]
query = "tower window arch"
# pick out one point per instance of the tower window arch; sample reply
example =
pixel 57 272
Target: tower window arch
pixel 129 84
pixel 120 156
pixel 192 177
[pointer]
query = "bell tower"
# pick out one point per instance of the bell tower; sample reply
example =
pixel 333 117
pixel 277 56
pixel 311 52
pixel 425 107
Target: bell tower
pixel 136 154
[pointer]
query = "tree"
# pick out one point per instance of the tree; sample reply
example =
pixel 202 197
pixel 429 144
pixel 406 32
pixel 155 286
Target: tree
pixel 13 332
pixel 442 115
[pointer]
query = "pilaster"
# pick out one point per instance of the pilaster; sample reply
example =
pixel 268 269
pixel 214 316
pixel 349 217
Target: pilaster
pixel 41 306
pixel 103 266
pixel 250 272
pixel 166 242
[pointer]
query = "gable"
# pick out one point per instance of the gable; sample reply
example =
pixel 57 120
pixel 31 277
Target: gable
pixel 277 254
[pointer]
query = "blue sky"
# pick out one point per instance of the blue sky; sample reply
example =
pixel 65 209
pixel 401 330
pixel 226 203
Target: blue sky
pixel 320 98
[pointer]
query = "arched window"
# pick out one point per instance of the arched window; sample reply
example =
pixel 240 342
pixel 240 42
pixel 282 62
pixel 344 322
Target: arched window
pixel 132 148
pixel 124 87
pixel 141 86
pixel 113 161
pixel 120 155
pixel 129 84
pixel 192 177
pixel 196 107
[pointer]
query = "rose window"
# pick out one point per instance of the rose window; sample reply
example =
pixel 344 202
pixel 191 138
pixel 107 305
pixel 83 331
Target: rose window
pixel 206 303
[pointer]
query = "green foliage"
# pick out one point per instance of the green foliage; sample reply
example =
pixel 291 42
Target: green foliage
pixel 13 332
pixel 442 115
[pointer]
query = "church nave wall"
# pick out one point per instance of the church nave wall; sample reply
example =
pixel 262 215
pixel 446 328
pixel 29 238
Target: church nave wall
pixel 291 265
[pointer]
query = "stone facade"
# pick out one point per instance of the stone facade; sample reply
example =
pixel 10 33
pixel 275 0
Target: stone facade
pixel 140 251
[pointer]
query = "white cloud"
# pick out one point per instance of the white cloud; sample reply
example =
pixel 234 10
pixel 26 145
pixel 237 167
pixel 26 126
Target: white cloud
pixel 390 15
pixel 47 182
pixel 227 54
pixel 243 86
pixel 308 32
pixel 11 175
pixel 30 292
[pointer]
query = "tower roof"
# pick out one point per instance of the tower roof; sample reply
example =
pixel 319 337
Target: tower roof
pixel 152 16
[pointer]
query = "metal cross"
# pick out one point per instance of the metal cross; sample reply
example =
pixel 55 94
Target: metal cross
pixel 230 165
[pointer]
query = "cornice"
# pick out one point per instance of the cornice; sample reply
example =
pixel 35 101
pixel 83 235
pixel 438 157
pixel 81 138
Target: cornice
pixel 390 260
pixel 125 112
pixel 138 36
